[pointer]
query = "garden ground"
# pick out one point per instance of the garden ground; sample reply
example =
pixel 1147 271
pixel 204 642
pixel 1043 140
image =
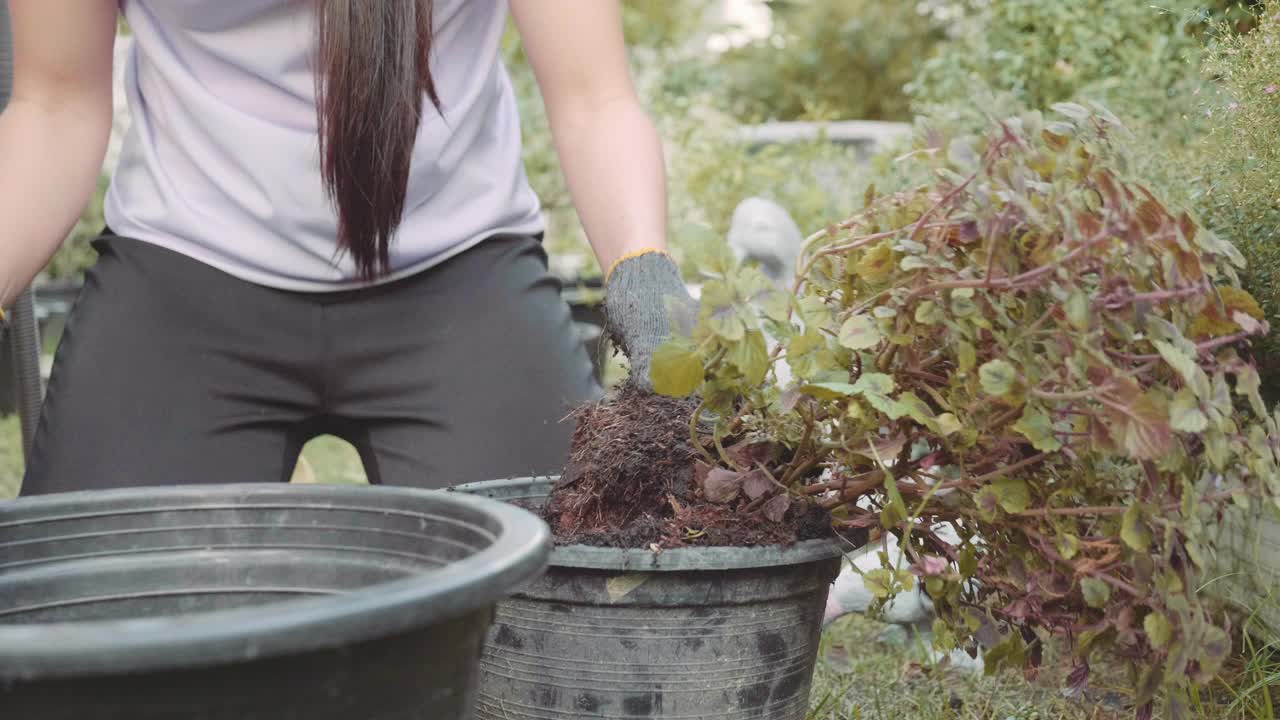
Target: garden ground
pixel 867 670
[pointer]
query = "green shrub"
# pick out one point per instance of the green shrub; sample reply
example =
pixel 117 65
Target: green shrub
pixel 1032 350
pixel 75 255
pixel 846 59
pixel 1237 168
pixel 1135 57
pixel 709 169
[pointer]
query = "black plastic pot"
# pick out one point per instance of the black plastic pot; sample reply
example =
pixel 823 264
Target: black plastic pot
pixel 253 602
pixel 689 633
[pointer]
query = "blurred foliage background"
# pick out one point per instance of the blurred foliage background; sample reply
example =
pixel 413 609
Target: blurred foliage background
pixel 1193 79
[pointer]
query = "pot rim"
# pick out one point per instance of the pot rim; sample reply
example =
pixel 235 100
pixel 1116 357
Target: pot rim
pixel 589 557
pixel 519 551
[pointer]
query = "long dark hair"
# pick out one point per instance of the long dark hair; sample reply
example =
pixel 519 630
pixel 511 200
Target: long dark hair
pixel 373 75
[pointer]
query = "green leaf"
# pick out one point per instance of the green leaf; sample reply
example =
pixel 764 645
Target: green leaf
pixel 751 357
pixel 997 377
pixel 879 582
pixel 860 333
pixel 928 313
pixel 1169 583
pixel 910 405
pixel 814 311
pixel 1146 431
pixel 968 561
pixel 913 262
pixel 776 305
pixel 1249 384
pixel 829 390
pixel 1159 630
pixel 1177 359
pixel 962 304
pixel 1013 494
pixel 967 356
pixel 675 369
pixel 1036 426
pixel 947 424
pixel 1096 592
pixel 874 384
pixel 1078 310
pixel 1215 645
pixel 896 504
pixel 721 311
pixel 1185 414
pixel 1068 546
pixel 1133 531
pixel 1074 111
pixel 988 503
pixel 884 404
pixel 1010 653
pixel 809 356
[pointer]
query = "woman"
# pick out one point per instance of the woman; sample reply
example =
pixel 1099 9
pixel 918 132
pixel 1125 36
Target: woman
pixel 320 224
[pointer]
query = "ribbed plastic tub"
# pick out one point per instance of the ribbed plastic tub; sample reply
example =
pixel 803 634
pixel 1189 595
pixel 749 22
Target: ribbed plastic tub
pixel 689 633
pixel 254 602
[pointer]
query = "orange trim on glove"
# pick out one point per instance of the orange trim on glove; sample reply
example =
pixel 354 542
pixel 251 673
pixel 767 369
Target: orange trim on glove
pixel 632 255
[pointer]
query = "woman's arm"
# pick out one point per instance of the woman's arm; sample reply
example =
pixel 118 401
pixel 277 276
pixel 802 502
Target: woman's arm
pixel 607 144
pixel 612 160
pixel 54 131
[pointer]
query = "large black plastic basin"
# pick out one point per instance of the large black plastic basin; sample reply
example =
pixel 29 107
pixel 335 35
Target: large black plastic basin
pixel 254 601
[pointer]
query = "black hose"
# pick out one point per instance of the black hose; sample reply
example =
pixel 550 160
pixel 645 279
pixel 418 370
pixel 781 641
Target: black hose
pixel 25 338
pixel 25 341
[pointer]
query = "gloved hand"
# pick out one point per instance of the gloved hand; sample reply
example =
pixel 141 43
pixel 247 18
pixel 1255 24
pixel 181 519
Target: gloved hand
pixel 642 291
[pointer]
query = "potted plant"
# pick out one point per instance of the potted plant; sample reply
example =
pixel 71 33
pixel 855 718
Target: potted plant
pixel 678 587
pixel 1030 348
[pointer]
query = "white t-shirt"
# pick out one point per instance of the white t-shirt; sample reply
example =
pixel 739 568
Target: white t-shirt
pixel 221 160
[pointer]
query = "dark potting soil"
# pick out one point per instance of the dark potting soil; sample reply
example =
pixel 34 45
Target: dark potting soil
pixel 631 482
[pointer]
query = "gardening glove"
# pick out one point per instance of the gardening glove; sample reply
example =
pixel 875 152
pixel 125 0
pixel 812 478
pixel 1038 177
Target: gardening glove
pixel 643 294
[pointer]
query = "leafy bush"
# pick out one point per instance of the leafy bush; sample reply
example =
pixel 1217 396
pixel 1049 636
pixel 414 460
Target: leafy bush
pixel 1132 56
pixel 1032 350
pixel 1237 166
pixel 75 255
pixel 710 169
pixel 845 59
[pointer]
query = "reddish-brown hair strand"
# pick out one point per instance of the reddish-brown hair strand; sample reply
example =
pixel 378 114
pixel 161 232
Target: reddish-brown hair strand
pixel 373 75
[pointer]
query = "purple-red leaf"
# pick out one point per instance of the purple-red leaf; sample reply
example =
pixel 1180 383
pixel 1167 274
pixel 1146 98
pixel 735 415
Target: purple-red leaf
pixel 722 486
pixel 930 565
pixel 756 483
pixel 751 454
pixel 1078 678
pixel 776 508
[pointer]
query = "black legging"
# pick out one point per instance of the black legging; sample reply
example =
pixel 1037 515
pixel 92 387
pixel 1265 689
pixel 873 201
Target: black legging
pixel 172 372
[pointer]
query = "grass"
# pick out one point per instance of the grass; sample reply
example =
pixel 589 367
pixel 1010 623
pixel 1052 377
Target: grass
pixel 865 673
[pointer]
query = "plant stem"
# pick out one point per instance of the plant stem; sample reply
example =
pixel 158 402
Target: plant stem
pixel 693 434
pixel 1090 510
pixel 1078 395
pixel 1009 468
pixel 851 492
